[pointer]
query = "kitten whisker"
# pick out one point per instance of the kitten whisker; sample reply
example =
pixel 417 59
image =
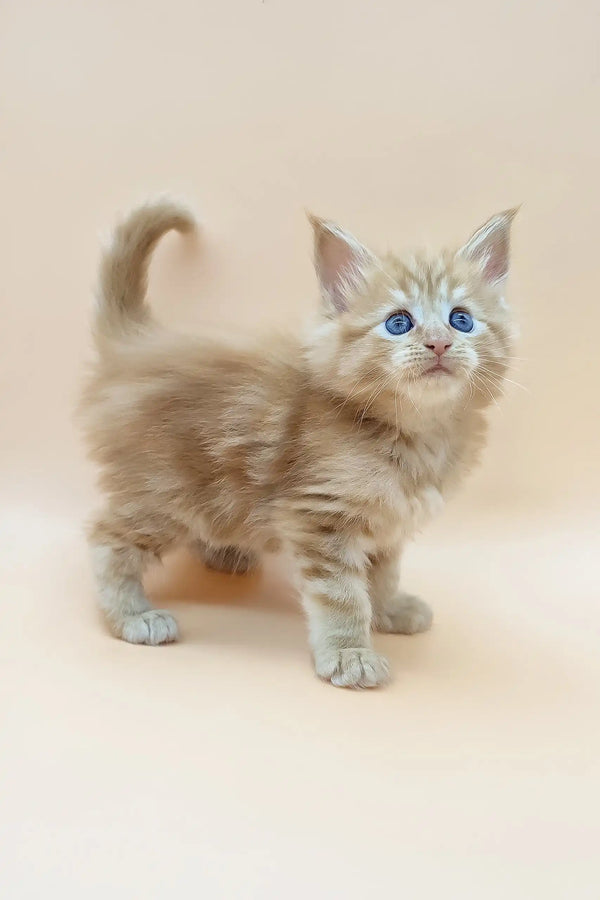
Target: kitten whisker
pixel 381 387
pixel 501 378
pixel 479 381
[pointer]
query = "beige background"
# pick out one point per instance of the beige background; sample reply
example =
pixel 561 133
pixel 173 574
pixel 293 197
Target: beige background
pixel 220 767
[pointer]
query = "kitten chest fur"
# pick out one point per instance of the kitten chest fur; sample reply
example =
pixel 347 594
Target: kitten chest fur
pixel 381 482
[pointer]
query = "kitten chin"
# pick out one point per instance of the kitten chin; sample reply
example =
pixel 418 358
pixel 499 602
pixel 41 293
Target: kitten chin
pixel 335 448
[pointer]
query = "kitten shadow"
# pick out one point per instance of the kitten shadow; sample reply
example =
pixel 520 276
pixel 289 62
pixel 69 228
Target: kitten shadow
pixel 258 611
pixel 184 579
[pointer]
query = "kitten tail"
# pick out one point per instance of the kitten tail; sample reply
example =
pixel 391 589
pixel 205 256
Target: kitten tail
pixel 123 276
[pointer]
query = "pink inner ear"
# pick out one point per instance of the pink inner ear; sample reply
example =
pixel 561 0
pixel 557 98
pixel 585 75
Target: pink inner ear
pixel 495 266
pixel 337 262
pixel 490 246
pixel 340 261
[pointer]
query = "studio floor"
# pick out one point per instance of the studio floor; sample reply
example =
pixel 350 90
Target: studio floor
pixel 221 767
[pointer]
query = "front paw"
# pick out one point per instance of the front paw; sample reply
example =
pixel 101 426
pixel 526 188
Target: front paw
pixel 405 614
pixel 153 626
pixel 352 667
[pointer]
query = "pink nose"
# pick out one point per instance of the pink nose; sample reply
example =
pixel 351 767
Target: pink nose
pixel 439 347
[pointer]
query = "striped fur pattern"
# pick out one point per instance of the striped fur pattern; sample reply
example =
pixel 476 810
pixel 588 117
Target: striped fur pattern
pixel 334 447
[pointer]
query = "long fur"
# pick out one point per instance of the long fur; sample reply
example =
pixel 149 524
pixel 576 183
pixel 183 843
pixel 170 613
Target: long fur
pixel 123 275
pixel 335 447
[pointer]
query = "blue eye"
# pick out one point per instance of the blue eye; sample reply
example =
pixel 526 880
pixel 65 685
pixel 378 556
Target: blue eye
pixel 399 323
pixel 461 320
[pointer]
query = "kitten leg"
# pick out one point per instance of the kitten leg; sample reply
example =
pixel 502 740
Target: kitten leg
pixel 336 599
pixel 118 569
pixel 231 560
pixel 393 610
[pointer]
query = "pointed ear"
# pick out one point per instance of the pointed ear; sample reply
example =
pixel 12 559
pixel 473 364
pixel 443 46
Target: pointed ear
pixel 341 263
pixel 490 246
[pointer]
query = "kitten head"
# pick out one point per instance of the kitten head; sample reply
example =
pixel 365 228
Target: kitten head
pixel 416 330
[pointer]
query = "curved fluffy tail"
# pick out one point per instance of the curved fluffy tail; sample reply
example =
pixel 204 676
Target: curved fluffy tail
pixel 123 277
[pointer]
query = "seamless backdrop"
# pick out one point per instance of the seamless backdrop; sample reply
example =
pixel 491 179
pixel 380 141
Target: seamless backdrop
pixel 220 767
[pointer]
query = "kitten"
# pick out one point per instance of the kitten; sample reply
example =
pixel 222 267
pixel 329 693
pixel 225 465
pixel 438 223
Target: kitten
pixel 335 447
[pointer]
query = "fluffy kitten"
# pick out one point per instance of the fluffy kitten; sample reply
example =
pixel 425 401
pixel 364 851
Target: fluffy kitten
pixel 335 447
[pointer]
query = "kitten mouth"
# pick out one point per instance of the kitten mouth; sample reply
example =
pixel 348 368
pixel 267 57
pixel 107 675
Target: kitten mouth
pixel 437 369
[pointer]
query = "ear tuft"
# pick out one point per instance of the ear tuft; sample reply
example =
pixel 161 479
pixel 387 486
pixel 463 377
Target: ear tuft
pixel 489 246
pixel 341 263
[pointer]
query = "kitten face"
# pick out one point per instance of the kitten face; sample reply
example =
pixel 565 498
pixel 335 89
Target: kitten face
pixel 423 330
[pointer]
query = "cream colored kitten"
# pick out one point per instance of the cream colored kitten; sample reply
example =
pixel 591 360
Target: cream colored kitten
pixel 335 448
